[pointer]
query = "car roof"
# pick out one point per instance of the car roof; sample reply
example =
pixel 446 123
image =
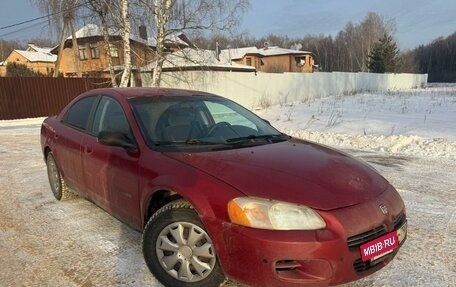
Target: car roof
pixel 134 92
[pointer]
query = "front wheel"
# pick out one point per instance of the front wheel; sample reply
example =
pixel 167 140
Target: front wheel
pixel 177 249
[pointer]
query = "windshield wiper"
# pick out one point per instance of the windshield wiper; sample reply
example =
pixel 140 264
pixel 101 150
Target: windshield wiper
pixel 271 138
pixel 202 142
pixel 188 142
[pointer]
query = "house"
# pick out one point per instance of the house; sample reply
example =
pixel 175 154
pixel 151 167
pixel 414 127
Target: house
pixel 36 58
pixel 193 59
pixel 272 59
pixel 92 51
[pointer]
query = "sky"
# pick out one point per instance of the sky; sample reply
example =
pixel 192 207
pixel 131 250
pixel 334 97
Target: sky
pixel 417 21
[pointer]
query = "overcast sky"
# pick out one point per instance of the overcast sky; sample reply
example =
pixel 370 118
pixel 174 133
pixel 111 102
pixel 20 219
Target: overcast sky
pixel 417 21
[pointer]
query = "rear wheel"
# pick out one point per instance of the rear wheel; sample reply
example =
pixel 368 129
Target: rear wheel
pixel 58 186
pixel 177 249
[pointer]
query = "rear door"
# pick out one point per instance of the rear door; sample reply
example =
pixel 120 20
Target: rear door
pixel 68 138
pixel 111 173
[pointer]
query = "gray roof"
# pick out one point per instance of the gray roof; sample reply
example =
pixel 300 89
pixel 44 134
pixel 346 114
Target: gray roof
pixel 92 30
pixel 197 59
pixel 37 54
pixel 239 53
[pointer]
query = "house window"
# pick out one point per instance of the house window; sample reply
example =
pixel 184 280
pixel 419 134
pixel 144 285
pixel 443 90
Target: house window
pixel 114 51
pixel 300 61
pixel 248 61
pixel 82 52
pixel 94 51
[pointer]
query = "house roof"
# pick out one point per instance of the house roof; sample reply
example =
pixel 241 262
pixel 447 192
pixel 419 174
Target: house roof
pixel 37 56
pixel 239 53
pixel 92 30
pixel 34 48
pixel 198 59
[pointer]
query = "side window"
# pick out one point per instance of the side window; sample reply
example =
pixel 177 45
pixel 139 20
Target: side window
pixel 78 114
pixel 222 113
pixel 110 117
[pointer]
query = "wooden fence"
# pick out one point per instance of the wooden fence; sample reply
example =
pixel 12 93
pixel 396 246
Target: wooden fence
pixel 39 97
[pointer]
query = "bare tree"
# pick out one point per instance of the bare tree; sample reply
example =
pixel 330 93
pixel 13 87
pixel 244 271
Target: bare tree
pixel 103 9
pixel 114 15
pixel 7 46
pixel 162 12
pixel 62 15
pixel 355 41
pixel 126 31
pixel 190 16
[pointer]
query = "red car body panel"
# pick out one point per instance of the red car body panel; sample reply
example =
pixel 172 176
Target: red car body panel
pixel 344 191
pixel 293 171
pixel 319 258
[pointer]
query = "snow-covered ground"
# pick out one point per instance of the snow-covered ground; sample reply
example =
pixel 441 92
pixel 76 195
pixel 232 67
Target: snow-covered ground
pixel 410 137
pixel 417 123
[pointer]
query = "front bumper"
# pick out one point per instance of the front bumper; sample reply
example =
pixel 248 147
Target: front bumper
pixel 317 258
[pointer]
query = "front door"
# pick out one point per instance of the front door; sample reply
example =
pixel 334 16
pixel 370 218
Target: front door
pixel 111 173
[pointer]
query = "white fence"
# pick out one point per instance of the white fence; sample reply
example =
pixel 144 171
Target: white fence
pixel 261 89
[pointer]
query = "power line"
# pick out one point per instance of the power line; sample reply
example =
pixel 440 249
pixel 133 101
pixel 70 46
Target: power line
pixel 39 25
pixel 42 17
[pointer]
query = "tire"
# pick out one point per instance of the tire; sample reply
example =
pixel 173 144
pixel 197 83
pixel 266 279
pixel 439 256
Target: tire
pixel 58 186
pixel 171 258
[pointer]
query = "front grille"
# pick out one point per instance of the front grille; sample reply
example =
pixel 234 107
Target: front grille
pixel 361 266
pixel 359 239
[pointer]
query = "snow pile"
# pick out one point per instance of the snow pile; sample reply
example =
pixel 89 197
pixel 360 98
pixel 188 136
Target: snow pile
pixel 416 123
pixel 397 144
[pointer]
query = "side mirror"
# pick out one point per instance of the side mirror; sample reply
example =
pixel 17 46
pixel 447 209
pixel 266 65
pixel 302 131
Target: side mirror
pixel 266 121
pixel 117 139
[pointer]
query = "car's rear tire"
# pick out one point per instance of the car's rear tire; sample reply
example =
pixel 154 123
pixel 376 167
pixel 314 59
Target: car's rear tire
pixel 58 186
pixel 177 249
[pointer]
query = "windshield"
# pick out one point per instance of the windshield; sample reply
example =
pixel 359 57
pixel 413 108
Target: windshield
pixel 176 123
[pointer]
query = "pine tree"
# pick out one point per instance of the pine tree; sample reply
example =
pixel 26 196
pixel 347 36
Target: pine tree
pixel 384 56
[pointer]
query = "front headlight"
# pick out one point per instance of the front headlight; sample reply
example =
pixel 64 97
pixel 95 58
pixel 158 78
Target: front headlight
pixel 274 215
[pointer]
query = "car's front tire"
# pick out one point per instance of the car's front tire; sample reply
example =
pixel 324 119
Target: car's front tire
pixel 58 186
pixel 177 249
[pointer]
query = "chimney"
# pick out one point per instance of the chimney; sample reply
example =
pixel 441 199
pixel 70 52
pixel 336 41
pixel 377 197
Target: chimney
pixel 266 45
pixel 143 32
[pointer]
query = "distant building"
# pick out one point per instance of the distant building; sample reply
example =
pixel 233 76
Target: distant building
pixel 93 60
pixel 38 59
pixel 272 59
pixel 192 59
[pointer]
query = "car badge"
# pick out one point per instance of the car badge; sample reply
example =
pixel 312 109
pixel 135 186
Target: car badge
pixel 384 209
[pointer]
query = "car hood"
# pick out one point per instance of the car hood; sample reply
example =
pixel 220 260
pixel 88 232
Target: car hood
pixel 292 171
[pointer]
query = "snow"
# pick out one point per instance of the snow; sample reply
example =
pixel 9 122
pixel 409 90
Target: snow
pixel 420 122
pixel 189 58
pixel 93 30
pixel 239 53
pixel 409 137
pixel 38 56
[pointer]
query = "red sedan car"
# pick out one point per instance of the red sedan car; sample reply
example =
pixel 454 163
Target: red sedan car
pixel 218 192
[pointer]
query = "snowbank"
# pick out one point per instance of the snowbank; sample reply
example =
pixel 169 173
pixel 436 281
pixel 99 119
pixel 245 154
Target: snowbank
pixel 396 144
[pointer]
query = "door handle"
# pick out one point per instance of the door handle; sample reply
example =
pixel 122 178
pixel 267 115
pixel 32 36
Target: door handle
pixel 88 150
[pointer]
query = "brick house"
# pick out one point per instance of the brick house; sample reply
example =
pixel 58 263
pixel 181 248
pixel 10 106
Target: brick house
pixel 36 58
pixel 92 54
pixel 273 59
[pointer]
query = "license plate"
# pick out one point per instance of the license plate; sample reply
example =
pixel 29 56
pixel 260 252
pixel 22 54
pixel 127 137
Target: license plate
pixel 383 245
